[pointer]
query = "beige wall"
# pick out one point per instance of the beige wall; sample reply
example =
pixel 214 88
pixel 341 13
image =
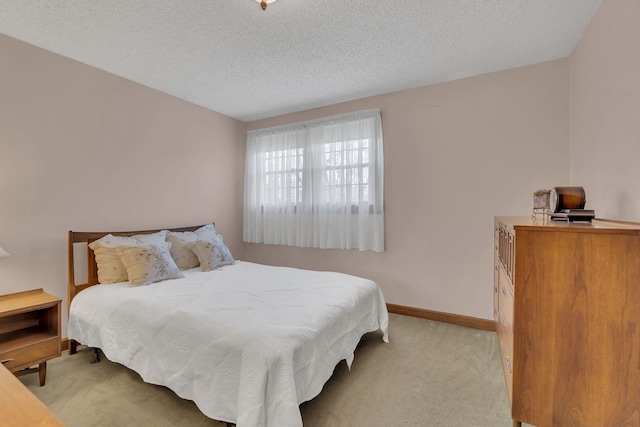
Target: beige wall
pixel 605 111
pixel 85 150
pixel 456 154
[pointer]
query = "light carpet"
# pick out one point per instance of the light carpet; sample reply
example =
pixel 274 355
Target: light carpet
pixel 430 374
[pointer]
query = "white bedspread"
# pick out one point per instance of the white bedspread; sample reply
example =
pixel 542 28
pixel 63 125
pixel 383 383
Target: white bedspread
pixel 247 343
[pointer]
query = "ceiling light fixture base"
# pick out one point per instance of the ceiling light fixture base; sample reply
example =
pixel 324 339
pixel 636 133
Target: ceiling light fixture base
pixel 264 3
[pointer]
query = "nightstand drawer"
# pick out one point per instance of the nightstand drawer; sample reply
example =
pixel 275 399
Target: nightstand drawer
pixel 30 355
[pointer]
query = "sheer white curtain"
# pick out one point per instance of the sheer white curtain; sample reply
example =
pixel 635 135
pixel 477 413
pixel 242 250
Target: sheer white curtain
pixel 317 184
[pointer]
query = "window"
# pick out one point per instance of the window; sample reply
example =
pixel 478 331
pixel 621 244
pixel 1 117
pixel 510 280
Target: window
pixel 283 177
pixel 317 183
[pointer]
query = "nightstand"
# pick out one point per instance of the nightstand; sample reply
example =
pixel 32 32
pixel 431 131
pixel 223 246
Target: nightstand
pixel 29 331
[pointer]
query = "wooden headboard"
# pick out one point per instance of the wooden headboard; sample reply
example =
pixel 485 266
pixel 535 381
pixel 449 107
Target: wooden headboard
pixel 92 268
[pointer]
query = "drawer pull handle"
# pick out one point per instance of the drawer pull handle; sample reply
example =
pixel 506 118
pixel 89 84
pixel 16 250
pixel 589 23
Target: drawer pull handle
pixel 6 361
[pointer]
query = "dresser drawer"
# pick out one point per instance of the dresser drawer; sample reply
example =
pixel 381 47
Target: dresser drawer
pixel 30 355
pixel 505 328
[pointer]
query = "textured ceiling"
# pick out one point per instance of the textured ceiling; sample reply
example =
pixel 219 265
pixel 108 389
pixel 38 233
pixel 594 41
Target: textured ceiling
pixel 233 58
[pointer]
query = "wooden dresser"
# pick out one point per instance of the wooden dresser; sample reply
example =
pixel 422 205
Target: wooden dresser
pixel 567 311
pixel 19 407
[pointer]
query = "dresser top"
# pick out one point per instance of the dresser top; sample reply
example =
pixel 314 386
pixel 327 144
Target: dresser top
pixel 541 223
pixel 20 406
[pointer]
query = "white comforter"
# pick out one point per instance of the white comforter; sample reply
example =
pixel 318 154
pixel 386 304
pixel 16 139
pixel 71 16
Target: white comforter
pixel 247 343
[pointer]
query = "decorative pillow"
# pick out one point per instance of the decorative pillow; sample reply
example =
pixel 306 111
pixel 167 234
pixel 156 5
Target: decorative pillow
pixel 147 264
pixel 211 253
pixel 182 255
pixel 110 267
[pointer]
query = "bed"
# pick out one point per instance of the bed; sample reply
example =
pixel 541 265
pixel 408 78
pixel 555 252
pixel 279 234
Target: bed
pixel 246 342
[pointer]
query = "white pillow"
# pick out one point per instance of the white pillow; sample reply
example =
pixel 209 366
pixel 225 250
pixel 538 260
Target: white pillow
pixel 182 255
pixel 110 267
pixel 211 253
pixel 147 264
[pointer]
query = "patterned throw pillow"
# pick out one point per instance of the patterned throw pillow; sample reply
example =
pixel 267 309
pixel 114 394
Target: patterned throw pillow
pixel 147 264
pixel 212 253
pixel 182 255
pixel 110 267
